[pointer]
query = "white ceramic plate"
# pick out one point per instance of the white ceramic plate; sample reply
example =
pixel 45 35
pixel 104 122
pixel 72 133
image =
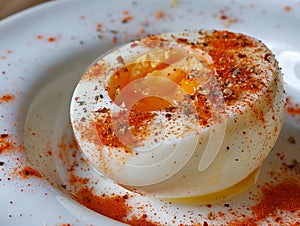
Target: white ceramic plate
pixel 44 51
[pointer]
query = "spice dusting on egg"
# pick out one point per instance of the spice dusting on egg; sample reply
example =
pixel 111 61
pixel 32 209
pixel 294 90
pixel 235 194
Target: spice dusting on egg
pixel 234 80
pixel 171 106
pixel 138 122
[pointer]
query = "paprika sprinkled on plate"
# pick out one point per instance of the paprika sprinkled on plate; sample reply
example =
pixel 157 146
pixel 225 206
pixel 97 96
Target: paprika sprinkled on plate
pixel 284 196
pixel 51 39
pixel 7 98
pixel 127 19
pixel 112 206
pixel 287 8
pixel 99 26
pixel 5 143
pixel 159 14
pixel 292 108
pixel 80 27
pixel 28 171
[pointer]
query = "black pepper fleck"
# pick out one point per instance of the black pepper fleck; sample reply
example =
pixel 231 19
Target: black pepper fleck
pixel 168 115
pixel 3 135
pixel 292 140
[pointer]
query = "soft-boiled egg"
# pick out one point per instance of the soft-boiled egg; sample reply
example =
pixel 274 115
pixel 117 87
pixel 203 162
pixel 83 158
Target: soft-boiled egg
pixel 180 114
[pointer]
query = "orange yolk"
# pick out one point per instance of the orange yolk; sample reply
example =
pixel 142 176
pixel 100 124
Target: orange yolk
pixel 171 80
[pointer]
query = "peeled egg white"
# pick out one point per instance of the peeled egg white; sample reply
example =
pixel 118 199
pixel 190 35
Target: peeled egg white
pixel 180 158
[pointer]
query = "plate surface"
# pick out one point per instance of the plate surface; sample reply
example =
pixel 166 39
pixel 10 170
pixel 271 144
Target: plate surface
pixel 43 53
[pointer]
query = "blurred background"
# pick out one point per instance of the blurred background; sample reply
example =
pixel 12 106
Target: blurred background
pixel 8 7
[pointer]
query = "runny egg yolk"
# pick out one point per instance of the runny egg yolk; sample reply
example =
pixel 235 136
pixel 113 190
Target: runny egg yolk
pixel 167 66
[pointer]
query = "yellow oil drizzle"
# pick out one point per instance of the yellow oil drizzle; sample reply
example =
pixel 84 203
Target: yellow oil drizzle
pixel 221 195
